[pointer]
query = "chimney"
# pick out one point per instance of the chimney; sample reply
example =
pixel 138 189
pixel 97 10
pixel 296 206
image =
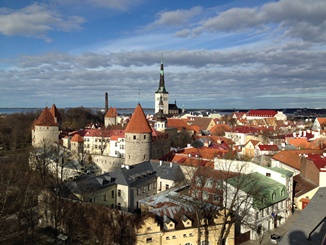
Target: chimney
pixel 106 102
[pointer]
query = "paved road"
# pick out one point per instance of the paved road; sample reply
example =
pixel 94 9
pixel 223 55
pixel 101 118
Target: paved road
pixel 281 230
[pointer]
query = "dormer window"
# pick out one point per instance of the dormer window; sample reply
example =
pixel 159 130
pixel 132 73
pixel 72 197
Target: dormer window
pixel 273 196
pixel 282 192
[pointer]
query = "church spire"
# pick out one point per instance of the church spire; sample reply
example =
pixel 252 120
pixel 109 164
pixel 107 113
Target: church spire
pixel 161 87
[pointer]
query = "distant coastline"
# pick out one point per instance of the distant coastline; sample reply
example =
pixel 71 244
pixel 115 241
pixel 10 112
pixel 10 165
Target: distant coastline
pixel 150 111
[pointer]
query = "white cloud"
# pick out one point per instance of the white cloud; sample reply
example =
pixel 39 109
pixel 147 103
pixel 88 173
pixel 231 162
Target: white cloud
pixel 275 72
pixel 121 5
pixel 304 19
pixel 175 17
pixel 36 20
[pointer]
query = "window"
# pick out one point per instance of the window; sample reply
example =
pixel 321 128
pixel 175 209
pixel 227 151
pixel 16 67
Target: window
pixel 205 243
pixel 282 192
pixel 167 187
pixel 268 174
pixel 216 198
pixel 119 193
pixel 184 235
pixel 119 206
pixel 104 197
pixel 205 195
pixel 209 183
pixel 149 187
pixel 194 193
pixel 138 191
pixel 112 194
pixel 167 238
pixel 134 137
pixel 149 240
pixel 198 181
pixel 174 237
pixel 273 196
pixel 115 144
pixel 190 234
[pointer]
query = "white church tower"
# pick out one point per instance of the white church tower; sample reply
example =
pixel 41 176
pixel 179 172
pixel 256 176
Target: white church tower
pixel 162 93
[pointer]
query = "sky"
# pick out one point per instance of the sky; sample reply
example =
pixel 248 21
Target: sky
pixel 217 54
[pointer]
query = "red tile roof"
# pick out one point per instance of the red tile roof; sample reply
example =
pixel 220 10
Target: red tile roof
pixel 178 123
pixel 261 113
pixel 244 130
pixel 112 113
pixel 321 120
pixel 268 147
pixel 77 138
pixel 319 160
pixel 138 122
pixel 55 113
pixel 292 158
pixel 45 119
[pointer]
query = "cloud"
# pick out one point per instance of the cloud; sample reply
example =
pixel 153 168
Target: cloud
pixel 36 20
pixel 270 77
pixel 122 5
pixel 304 19
pixel 175 17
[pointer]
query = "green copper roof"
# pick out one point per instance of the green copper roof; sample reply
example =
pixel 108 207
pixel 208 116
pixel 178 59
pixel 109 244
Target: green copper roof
pixel 265 191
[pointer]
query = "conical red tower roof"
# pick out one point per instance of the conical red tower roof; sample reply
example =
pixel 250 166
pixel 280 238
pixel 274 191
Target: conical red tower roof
pixel 112 112
pixel 55 113
pixel 138 122
pixel 45 119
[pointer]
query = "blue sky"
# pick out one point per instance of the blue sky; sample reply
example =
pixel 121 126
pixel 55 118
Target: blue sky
pixel 217 54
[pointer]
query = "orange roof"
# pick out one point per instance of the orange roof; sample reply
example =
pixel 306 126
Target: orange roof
pixel 77 138
pixel 178 123
pixel 45 119
pixel 138 122
pixel 220 128
pixel 112 113
pixel 300 143
pixel 292 158
pixel 321 120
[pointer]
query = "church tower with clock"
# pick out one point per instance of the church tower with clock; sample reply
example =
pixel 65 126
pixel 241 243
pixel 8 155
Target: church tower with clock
pixel 162 94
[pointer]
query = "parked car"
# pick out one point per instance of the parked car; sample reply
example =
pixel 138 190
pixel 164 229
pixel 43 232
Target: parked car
pixel 275 239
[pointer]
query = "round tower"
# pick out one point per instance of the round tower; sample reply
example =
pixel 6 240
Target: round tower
pixel 138 138
pixel 45 130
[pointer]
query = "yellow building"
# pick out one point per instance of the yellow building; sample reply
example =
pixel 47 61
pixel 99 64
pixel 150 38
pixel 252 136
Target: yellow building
pixel 182 229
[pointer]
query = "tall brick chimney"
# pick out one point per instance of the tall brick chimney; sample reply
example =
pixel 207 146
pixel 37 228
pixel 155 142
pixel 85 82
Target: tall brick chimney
pixel 106 102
